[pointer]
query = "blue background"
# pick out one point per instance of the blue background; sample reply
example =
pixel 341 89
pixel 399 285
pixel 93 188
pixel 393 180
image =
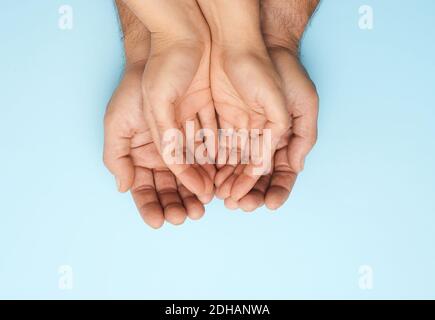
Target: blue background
pixel 367 196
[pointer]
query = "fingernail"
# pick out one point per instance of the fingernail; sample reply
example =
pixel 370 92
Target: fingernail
pixel 118 184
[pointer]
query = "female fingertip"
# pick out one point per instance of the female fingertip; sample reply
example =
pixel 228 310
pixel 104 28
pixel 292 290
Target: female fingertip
pixel 302 165
pixel 231 204
pixel 118 184
pixel 205 199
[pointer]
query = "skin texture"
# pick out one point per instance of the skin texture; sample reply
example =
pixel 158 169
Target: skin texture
pixel 283 23
pixel 245 86
pixel 129 147
pixel 176 83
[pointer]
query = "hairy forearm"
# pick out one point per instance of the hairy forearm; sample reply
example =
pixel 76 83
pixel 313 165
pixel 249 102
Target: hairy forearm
pixel 284 21
pixel 136 36
pixel 171 19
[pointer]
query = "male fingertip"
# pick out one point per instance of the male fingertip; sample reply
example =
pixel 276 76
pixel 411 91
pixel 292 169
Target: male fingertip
pixel 273 204
pixel 156 225
pixel 230 204
pixel 123 187
pixel 175 216
pixel 196 213
pixel 276 197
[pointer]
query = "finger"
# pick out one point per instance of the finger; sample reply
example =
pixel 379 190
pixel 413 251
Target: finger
pixel 224 142
pixel 208 157
pixel 256 197
pixel 116 157
pixel 224 191
pixel 259 164
pixel 261 160
pixel 145 197
pixel 147 156
pixel 207 172
pixel 161 120
pixel 190 129
pixel 207 119
pixel 273 102
pixel 242 185
pixel 238 158
pixel 302 104
pixel 194 207
pixel 194 155
pixel 304 136
pixel 210 169
pixel 282 181
pixel 167 192
pixel 231 204
pixel 223 174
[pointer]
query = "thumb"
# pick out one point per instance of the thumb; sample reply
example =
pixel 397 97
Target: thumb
pixel 117 159
pixel 303 137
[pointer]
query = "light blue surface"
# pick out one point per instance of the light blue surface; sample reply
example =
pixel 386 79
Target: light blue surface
pixel 367 196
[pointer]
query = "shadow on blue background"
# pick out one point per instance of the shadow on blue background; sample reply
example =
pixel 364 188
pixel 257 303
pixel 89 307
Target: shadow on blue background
pixel 367 196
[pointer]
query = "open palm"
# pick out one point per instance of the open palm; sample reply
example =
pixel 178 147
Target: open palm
pixel 302 105
pixel 247 95
pixel 176 89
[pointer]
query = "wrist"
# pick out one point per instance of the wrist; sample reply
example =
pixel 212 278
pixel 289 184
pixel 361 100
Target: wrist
pixel 135 35
pixel 136 51
pixel 284 22
pixel 287 42
pixel 134 62
pixel 172 20
pixel 233 23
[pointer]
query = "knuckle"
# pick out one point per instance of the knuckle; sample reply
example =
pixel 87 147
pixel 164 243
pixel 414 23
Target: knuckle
pixel 313 99
pixel 284 125
pixel 110 120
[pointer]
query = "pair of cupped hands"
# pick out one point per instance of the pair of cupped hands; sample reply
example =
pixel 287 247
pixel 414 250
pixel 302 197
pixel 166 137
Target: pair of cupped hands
pixel 229 64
